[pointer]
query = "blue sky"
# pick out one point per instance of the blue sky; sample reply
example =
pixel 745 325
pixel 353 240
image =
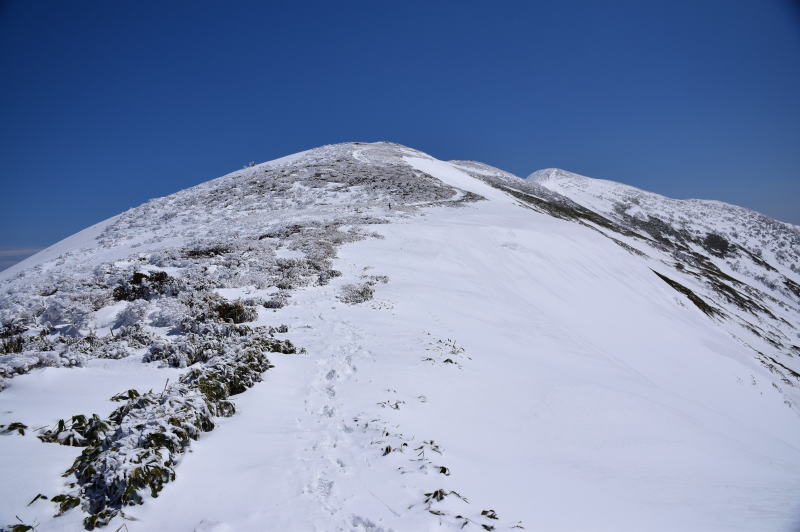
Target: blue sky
pixel 104 105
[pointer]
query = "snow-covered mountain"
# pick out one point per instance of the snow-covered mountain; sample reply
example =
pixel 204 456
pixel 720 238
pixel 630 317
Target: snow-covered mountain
pixel 363 337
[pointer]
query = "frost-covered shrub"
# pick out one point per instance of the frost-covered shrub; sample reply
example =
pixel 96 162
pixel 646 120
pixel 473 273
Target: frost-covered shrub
pixel 144 286
pixel 167 312
pixel 235 312
pixel 275 303
pixel 289 273
pixel 185 351
pixel 133 314
pixel 283 232
pixel 11 345
pixel 113 351
pixel 119 344
pixel 68 315
pixel 139 453
pixel 134 336
pixel 210 251
pixel 11 337
pixel 212 341
pixel 326 275
pixel 77 432
pixel 21 363
pixel 356 293
pixel 279 300
pixel 136 448
pixel 42 350
pixel 53 313
pixel 12 328
pixel 273 345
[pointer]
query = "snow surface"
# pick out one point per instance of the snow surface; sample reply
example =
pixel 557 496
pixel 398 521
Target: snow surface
pixel 564 385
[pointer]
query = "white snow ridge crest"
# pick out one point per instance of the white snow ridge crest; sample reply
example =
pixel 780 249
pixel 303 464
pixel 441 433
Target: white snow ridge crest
pixel 363 337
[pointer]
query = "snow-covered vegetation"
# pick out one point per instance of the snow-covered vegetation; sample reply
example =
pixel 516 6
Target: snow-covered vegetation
pixel 448 346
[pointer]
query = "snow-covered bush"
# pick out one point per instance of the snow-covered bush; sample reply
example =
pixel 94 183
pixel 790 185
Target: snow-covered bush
pixel 277 301
pixel 167 312
pixel 133 314
pixel 136 448
pixel 144 286
pixel 356 293
pixel 235 312
pixel 77 432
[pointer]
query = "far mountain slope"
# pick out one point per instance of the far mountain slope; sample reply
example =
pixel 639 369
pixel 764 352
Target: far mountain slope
pixel 736 265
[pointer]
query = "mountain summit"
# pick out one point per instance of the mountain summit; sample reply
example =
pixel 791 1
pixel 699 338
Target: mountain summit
pixel 364 337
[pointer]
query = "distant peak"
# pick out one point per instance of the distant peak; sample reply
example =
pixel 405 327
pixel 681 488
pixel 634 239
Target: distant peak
pixel 552 174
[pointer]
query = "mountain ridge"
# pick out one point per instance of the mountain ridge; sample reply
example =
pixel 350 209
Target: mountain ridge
pixel 394 342
pixel 541 176
pixel 545 175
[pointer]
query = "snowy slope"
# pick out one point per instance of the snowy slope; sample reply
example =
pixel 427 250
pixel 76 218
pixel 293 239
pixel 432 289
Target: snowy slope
pixel 476 346
pixel 774 241
pixel 747 265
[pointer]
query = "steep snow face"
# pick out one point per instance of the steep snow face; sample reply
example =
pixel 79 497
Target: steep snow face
pixel 479 351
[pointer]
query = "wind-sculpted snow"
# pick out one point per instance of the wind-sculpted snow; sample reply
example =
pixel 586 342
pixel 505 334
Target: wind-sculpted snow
pixel 362 337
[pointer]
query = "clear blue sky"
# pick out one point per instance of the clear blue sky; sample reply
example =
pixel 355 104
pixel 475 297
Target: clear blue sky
pixel 106 104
